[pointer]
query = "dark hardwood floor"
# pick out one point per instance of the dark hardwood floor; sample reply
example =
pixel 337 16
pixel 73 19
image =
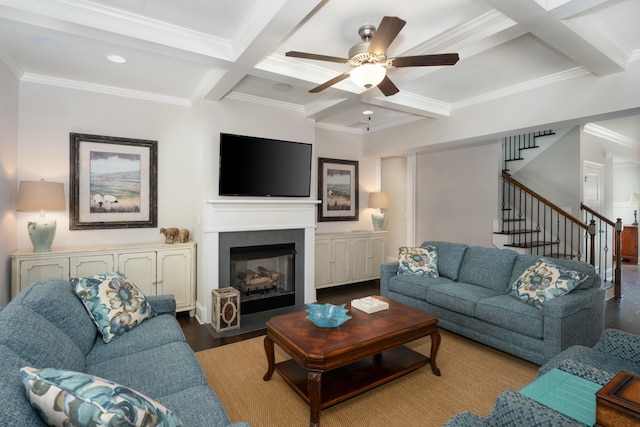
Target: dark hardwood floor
pixel 621 314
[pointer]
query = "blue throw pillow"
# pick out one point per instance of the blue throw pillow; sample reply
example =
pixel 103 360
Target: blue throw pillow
pixel 421 261
pixel 68 398
pixel 545 280
pixel 114 302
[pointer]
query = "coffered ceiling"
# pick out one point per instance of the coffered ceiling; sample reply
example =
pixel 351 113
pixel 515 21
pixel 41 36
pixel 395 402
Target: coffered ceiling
pixel 183 52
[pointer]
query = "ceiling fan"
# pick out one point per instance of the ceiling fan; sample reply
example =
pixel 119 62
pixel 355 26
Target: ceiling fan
pixel 369 58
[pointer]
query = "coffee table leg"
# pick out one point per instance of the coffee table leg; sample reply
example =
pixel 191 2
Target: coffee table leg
pixel 268 348
pixel 314 385
pixel 435 345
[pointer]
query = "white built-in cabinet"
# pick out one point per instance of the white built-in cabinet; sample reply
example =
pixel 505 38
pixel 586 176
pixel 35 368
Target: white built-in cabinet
pixel 343 258
pixel 156 268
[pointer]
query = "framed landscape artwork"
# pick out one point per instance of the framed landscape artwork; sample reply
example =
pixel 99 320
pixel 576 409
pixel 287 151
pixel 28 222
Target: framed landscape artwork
pixel 338 190
pixel 113 182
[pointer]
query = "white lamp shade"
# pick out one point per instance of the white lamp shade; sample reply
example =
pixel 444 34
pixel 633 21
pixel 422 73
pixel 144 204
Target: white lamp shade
pixel 40 196
pixel 378 200
pixel 635 199
pixel 368 75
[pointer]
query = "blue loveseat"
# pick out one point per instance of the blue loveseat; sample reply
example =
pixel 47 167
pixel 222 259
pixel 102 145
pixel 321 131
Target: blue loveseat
pixel 615 351
pixel 47 326
pixel 470 298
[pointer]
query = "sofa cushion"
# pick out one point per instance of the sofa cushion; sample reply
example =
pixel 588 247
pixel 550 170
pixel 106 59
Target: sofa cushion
pixel 187 404
pixel 66 397
pixel 488 267
pixel 155 332
pixel 114 302
pixel 155 372
pixel 449 257
pixel 543 281
pixel 415 286
pixel 524 261
pixel 37 340
pixel 54 300
pixel 509 313
pixel 16 410
pixel 458 297
pixel 422 261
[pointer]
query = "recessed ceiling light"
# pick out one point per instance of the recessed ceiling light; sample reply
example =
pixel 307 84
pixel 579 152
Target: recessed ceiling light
pixel 116 58
pixel 367 112
pixel 282 87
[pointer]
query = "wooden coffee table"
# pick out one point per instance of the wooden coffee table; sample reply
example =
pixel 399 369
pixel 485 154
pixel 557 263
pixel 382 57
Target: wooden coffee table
pixel 330 365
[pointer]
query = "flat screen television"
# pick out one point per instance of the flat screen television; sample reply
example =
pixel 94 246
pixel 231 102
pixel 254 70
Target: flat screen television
pixel 261 167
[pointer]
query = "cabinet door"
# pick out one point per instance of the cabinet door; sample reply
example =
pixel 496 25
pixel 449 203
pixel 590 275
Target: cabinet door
pixel 175 276
pixel 323 262
pixel 340 260
pixel 38 269
pixel 361 249
pixel 377 257
pixel 140 268
pixel 82 266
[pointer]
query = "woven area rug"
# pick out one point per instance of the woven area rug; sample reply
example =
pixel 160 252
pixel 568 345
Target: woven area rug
pixel 472 377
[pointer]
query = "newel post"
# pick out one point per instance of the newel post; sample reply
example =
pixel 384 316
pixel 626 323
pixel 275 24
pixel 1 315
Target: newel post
pixel 617 287
pixel 591 229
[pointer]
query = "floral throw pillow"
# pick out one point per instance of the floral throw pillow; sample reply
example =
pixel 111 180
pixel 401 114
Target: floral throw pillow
pixel 113 301
pixel 545 280
pixel 422 261
pixel 68 398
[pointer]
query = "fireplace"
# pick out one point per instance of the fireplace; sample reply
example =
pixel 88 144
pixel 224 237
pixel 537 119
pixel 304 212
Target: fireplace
pixel 237 222
pixel 264 275
pixel 265 266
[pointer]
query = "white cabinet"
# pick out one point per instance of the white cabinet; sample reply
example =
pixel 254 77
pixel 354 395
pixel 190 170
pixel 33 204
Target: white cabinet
pixel 348 257
pixel 156 268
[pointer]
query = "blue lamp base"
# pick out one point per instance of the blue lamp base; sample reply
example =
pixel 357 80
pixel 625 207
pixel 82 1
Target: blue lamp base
pixel 41 233
pixel 377 220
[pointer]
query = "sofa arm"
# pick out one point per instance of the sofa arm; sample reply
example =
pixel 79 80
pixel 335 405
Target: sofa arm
pixel 515 409
pixel 387 271
pixel 465 419
pixel 162 304
pixel 620 344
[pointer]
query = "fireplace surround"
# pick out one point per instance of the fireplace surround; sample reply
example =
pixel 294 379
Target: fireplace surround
pixel 281 217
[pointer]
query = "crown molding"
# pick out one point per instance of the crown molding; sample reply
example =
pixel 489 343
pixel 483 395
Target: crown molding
pixel 10 62
pixel 609 135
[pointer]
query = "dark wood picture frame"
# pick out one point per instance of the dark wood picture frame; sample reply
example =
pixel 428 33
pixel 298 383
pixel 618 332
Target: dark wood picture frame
pixel 338 190
pixel 113 182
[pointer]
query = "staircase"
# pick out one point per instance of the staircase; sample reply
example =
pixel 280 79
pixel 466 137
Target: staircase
pixel 532 224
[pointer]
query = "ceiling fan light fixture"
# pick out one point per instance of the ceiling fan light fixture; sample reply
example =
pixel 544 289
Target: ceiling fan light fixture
pixel 368 75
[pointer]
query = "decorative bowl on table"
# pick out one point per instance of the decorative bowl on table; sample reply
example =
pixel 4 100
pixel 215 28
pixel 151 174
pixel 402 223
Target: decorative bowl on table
pixel 327 315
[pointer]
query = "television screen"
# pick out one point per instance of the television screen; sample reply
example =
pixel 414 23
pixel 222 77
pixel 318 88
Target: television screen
pixel 261 167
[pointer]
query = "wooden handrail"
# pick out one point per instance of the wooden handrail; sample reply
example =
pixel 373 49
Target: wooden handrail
pixel 584 207
pixel 570 217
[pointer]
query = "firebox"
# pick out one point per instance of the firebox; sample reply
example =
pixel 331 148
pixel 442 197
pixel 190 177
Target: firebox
pixel 264 275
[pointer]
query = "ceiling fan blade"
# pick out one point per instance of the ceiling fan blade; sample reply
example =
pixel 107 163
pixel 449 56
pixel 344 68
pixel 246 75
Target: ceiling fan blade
pixel 305 55
pixel 329 83
pixel 425 60
pixel 387 87
pixel 387 31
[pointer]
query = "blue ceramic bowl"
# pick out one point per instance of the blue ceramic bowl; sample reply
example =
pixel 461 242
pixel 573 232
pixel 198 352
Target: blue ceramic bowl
pixel 327 315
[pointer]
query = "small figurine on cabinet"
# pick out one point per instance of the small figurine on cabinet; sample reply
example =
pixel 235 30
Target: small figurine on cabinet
pixel 170 234
pixel 183 236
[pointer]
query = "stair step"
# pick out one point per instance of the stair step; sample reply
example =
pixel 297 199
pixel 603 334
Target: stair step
pixel 529 245
pixel 514 220
pixel 515 232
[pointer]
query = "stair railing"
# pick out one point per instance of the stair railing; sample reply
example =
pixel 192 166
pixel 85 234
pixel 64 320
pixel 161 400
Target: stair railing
pixel 540 227
pixel 513 146
pixel 610 236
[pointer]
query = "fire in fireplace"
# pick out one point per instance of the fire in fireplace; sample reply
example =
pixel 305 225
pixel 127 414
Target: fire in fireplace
pixel 264 275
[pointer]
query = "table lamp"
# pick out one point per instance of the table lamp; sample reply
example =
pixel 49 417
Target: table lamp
pixel 41 196
pixel 635 200
pixel 378 201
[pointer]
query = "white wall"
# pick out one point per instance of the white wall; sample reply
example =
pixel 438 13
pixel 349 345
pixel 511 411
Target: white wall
pixel 8 172
pixel 457 194
pixel 394 182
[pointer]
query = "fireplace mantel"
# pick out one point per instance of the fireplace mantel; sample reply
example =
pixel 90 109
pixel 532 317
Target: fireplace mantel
pixel 229 215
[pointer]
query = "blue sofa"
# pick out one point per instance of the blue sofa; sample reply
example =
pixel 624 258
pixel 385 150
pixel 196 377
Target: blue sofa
pixel 470 298
pixel 615 351
pixel 47 326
